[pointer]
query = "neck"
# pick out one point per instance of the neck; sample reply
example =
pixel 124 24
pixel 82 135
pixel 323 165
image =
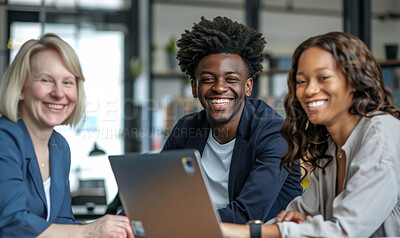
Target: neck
pixel 341 131
pixel 224 134
pixel 40 138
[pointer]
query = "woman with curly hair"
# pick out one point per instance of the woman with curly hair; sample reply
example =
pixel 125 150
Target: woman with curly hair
pixel 341 120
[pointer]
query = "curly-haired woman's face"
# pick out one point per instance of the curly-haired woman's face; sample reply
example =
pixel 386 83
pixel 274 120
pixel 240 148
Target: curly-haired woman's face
pixel 322 89
pixel 222 85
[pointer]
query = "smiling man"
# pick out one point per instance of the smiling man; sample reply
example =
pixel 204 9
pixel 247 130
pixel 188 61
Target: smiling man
pixel 238 137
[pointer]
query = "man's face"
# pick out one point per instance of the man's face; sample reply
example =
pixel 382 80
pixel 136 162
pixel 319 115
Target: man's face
pixel 222 85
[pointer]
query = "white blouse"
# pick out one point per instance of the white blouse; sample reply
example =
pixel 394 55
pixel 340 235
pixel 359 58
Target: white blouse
pixel 369 204
pixel 46 185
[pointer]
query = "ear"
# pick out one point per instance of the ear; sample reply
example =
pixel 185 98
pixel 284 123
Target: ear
pixel 21 95
pixel 249 87
pixel 194 88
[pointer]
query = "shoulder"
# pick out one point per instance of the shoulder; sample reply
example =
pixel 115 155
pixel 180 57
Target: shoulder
pixel 194 125
pixel 59 140
pixel 12 129
pixel 193 120
pixel 14 139
pixel 378 137
pixel 261 125
pixel 381 125
pixel 60 150
pixel 259 115
pixel 6 124
pixel 261 110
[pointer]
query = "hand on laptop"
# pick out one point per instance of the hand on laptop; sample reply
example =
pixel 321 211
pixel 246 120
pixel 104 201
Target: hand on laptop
pixel 294 216
pixel 112 226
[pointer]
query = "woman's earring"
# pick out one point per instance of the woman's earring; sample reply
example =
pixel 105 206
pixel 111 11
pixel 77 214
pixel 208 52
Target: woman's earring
pixel 21 97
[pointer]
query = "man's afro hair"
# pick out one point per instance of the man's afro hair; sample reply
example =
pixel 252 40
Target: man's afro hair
pixel 221 35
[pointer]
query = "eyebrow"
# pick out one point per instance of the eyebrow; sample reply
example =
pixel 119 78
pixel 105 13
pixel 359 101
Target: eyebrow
pixel 48 75
pixel 316 70
pixel 227 73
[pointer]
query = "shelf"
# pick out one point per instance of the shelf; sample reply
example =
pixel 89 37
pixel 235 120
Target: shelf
pixel 173 74
pixel 390 63
pixel 386 63
pixel 276 71
pixel 168 75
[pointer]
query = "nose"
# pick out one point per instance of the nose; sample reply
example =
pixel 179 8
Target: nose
pixel 58 91
pixel 220 86
pixel 312 88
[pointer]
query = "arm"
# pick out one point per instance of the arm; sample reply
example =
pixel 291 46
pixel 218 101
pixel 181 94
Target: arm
pixel 19 206
pixel 267 189
pixel 64 215
pixel 16 202
pixel 175 135
pixel 106 226
pixel 190 132
pixel 369 196
pixel 293 216
pixel 317 226
pixel 243 231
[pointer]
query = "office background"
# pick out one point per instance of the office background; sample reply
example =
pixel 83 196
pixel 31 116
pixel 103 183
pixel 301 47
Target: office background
pixel 135 91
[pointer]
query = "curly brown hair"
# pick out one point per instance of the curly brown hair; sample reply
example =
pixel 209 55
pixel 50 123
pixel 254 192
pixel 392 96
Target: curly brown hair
pixel 309 142
pixel 221 35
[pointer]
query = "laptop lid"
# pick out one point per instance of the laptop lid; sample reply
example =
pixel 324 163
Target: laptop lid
pixel 165 194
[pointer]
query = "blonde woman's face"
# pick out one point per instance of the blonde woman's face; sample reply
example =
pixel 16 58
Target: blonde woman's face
pixel 50 93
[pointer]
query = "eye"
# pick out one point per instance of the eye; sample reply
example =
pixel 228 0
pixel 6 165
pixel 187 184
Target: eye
pixel 46 80
pixel 69 82
pixel 325 77
pixel 300 81
pixel 232 79
pixel 207 79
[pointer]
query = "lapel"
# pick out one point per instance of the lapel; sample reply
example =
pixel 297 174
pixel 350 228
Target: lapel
pixel 33 166
pixel 33 169
pixel 240 145
pixel 198 135
pixel 57 177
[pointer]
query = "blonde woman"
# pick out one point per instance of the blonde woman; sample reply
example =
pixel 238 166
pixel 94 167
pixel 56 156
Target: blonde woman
pixel 43 88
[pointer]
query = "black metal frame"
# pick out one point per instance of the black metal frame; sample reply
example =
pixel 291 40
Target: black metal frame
pixel 357 19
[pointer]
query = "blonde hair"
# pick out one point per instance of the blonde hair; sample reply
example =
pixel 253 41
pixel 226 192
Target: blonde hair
pixel 19 70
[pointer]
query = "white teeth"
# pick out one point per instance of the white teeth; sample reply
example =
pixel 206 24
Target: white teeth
pixel 220 101
pixel 316 104
pixel 54 106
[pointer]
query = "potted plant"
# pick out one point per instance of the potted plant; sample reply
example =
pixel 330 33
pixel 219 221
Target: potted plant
pixel 171 49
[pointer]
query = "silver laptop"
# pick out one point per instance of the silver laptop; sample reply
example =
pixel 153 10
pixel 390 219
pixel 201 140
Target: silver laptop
pixel 166 195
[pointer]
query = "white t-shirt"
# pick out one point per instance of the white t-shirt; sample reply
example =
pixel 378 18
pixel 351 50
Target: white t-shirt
pixel 46 185
pixel 216 161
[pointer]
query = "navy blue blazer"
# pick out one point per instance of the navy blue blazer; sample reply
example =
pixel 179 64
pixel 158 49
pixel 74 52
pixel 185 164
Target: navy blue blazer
pixel 258 188
pixel 23 207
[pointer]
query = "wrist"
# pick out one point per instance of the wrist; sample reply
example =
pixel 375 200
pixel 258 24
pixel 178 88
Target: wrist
pixel 255 228
pixel 85 231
